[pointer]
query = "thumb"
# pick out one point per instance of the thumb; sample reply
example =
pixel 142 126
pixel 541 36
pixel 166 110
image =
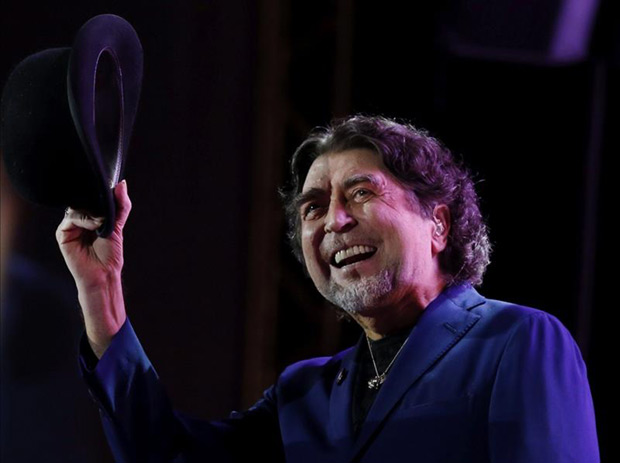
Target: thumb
pixel 123 204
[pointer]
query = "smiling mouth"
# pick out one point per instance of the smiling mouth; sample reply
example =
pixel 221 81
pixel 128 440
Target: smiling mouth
pixel 352 255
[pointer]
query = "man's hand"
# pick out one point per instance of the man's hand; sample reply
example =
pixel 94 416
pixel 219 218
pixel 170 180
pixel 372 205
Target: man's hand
pixel 96 264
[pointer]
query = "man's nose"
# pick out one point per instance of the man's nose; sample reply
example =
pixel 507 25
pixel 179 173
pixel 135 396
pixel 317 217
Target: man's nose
pixel 338 218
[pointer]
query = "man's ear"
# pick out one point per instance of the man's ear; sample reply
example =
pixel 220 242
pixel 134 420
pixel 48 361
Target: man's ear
pixel 441 218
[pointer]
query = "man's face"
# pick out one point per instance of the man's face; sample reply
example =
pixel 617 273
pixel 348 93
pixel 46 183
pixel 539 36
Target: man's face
pixel 364 243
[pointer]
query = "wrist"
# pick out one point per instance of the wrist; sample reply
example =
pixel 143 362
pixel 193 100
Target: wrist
pixel 99 284
pixel 103 307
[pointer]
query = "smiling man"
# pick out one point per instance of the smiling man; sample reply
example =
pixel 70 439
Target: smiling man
pixel 388 227
pixel 366 243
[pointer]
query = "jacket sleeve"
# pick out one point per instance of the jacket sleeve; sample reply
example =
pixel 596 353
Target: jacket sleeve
pixel 141 425
pixel 541 407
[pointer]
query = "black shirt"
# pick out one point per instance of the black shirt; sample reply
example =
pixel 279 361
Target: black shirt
pixel 383 351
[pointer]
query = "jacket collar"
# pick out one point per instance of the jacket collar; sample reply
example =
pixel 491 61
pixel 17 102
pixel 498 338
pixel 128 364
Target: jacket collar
pixel 441 326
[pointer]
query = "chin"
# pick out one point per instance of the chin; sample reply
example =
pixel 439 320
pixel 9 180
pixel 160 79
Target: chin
pixel 362 296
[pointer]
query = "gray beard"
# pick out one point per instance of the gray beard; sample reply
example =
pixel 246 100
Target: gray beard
pixel 362 295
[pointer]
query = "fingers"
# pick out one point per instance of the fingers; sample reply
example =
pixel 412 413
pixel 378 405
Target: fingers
pixel 73 225
pixel 75 222
pixel 74 218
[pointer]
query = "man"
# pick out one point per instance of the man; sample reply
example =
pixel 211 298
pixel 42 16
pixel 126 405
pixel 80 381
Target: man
pixel 388 227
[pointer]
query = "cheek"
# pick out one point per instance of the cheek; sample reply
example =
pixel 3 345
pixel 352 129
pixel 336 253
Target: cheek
pixel 307 253
pixel 310 246
pixel 408 242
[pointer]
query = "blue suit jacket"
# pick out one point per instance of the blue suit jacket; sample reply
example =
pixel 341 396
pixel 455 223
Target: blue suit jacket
pixel 478 381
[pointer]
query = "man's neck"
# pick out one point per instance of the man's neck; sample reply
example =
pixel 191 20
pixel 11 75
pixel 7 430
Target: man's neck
pixel 384 321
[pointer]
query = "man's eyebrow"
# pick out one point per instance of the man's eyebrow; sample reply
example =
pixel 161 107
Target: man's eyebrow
pixel 362 178
pixel 314 193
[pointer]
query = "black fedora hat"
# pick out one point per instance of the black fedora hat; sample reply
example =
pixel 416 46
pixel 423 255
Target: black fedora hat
pixel 67 117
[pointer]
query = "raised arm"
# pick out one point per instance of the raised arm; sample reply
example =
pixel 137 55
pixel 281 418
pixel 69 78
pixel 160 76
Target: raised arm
pixel 138 419
pixel 96 264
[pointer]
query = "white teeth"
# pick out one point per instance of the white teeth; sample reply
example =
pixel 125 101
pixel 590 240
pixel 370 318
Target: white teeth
pixel 352 251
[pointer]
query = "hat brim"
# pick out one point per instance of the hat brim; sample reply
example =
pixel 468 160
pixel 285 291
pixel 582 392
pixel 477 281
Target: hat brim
pixel 104 83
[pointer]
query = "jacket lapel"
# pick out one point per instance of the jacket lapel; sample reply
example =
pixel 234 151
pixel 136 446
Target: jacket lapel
pixel 442 325
pixel 340 428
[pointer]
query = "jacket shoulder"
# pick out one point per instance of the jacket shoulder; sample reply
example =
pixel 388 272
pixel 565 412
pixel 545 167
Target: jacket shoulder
pixel 512 309
pixel 508 315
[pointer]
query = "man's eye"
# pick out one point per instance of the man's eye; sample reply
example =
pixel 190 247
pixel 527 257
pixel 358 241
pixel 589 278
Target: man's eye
pixel 309 210
pixel 361 193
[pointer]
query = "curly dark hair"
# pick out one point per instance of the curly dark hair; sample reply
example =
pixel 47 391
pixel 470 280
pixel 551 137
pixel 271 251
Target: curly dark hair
pixel 422 164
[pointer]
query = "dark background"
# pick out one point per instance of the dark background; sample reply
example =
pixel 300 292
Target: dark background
pixel 231 87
